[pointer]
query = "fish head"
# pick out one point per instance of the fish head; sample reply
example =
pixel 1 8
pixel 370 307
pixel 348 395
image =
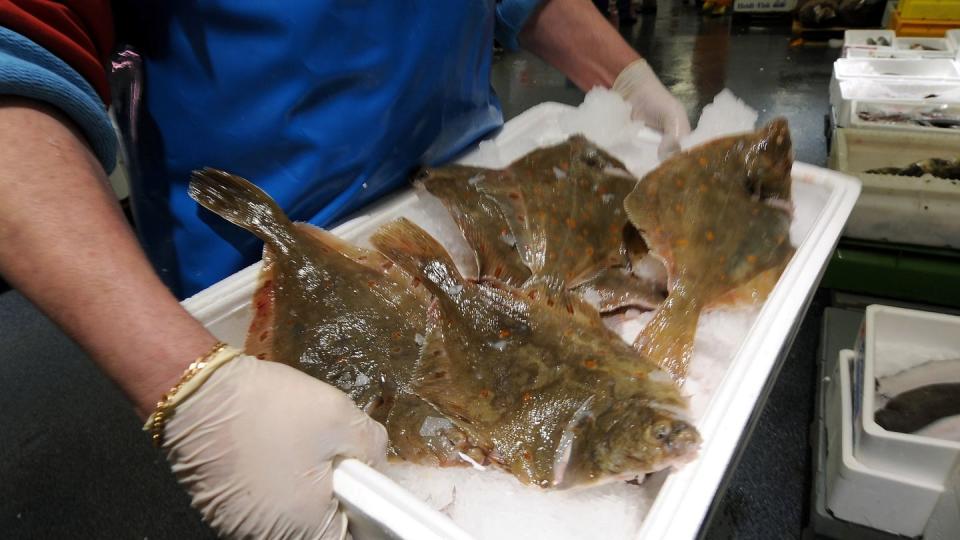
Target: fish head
pixel 650 438
pixel 631 439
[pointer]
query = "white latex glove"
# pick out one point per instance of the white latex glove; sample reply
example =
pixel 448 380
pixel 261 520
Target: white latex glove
pixel 653 104
pixel 254 446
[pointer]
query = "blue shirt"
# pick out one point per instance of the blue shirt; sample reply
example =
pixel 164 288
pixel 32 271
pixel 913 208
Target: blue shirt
pixel 326 104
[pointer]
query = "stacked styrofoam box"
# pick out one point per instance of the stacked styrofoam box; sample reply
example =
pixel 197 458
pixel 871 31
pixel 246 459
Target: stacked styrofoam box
pixel 901 209
pixel 896 208
pixel 867 40
pixel 886 480
pixel 885 44
pixel 876 498
pixel 895 72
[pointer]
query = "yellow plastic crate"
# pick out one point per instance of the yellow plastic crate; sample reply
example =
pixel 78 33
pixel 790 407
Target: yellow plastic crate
pixel 930 9
pixel 921 27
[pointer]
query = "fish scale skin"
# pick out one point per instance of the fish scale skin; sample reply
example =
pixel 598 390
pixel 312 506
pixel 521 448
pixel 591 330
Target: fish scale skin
pixel 557 400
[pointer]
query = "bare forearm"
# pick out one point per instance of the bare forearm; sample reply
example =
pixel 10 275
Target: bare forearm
pixel 65 245
pixel 574 37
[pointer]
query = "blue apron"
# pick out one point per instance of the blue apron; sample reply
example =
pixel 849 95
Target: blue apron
pixel 327 105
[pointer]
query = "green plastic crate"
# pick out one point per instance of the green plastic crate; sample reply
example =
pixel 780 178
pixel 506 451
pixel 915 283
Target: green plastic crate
pixel 901 271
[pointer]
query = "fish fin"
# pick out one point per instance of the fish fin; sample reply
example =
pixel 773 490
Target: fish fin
pixel 529 241
pixel 566 303
pixel 769 161
pixel 369 258
pixel 242 203
pixel 667 340
pixel 754 291
pixel 420 434
pixel 617 288
pixel 441 382
pixel 414 250
pixel 352 252
pixel 480 221
pixel 259 341
pixel 634 245
pixel 643 208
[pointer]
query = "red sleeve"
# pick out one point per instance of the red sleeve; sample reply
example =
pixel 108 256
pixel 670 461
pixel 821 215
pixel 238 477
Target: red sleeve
pixel 79 32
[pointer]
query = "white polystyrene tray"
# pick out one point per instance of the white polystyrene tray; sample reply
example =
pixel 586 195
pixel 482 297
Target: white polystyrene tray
pixel 890 106
pixel 897 339
pixel 939 47
pixel 953 38
pixel 686 495
pixel 891 52
pixel 858 38
pixel 942 69
pixel 901 48
pixel 912 210
pixel 844 94
pixel 878 498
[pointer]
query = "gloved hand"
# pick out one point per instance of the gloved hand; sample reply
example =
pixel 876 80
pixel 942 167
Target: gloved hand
pixel 653 104
pixel 254 445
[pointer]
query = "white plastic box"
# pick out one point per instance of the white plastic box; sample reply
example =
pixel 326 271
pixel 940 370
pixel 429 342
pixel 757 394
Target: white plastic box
pixel 933 47
pixel 880 499
pixel 846 93
pixel 912 210
pixel 895 339
pixel 915 108
pixel 953 38
pixel 686 495
pixel 935 69
pixel 900 47
pixel 858 39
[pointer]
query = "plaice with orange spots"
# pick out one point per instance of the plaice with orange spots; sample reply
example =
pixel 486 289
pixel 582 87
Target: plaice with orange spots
pixel 552 397
pixel 718 217
pixel 564 206
pixel 342 314
pixel 550 222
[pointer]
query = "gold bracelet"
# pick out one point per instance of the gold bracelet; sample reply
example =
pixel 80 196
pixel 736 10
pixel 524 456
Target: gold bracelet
pixel 204 364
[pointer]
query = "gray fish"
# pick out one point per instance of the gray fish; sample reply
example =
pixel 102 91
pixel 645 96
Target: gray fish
pixel 342 314
pixel 941 168
pixel 915 409
pixel 553 399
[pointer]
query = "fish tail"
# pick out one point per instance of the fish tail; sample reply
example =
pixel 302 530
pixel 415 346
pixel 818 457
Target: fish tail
pixel 240 202
pixel 667 340
pixel 414 250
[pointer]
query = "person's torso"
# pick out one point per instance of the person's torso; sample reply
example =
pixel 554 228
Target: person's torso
pixel 327 105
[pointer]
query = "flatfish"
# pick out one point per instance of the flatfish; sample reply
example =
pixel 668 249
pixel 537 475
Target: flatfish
pixel 551 222
pixel 553 399
pixel 342 314
pixel 718 216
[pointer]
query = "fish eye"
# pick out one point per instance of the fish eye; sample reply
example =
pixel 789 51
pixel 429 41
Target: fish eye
pixel 661 430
